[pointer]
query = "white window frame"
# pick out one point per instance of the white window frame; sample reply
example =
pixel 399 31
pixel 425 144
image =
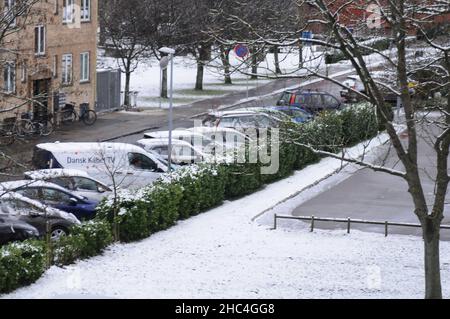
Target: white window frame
pixel 10 73
pixel 8 10
pixel 67 69
pixel 55 66
pixel 41 39
pixel 68 11
pixel 85 10
pixel 23 76
pixel 85 67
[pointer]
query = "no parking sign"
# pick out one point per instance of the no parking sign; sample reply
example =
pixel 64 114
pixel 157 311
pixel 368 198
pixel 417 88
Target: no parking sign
pixel 241 51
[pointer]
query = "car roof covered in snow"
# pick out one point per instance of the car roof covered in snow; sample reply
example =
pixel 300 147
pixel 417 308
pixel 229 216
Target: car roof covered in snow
pixel 57 172
pixel 88 147
pixel 175 134
pixel 12 186
pixel 162 141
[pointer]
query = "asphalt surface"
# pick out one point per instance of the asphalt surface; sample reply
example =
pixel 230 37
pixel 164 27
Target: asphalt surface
pixel 369 195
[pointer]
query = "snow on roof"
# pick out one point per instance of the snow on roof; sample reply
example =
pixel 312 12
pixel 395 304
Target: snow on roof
pixel 88 147
pixel 175 134
pixel 13 186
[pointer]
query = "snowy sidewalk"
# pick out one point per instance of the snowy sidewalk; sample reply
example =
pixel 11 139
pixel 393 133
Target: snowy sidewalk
pixel 223 254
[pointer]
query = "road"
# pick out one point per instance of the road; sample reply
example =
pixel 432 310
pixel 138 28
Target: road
pixel 369 195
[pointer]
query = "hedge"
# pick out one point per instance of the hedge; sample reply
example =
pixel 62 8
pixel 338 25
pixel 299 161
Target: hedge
pixel 135 215
pixel 23 263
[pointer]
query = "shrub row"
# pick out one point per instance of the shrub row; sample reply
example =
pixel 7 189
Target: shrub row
pixel 132 216
pixel 23 263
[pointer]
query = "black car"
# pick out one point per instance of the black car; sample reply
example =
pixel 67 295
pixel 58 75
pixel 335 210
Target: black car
pixel 12 229
pixel 311 101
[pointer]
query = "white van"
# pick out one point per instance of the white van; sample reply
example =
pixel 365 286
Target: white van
pixel 119 164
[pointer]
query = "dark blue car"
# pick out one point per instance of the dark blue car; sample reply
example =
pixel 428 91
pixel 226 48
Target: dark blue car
pixel 297 114
pixel 54 196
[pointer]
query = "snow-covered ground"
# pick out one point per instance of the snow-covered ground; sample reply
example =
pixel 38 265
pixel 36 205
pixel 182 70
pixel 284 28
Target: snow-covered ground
pixel 146 79
pixel 224 254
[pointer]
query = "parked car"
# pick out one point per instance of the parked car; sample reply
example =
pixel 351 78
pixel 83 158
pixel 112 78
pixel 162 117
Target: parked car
pixel 298 115
pixel 125 165
pixel 311 101
pixel 183 153
pixel 13 229
pixel 53 195
pixel 247 121
pixel 199 141
pixel 76 181
pixel 227 138
pixel 37 215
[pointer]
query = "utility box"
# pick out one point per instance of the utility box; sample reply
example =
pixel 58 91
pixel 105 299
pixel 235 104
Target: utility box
pixel 108 90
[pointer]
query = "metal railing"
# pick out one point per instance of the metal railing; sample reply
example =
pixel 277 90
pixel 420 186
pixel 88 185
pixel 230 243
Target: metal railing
pixel 349 222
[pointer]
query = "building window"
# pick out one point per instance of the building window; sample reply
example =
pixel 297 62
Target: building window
pixel 68 11
pixel 39 40
pixel 85 10
pixel 84 69
pixel 9 78
pixel 67 69
pixel 10 13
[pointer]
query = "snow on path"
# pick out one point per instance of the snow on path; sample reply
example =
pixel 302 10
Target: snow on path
pixel 222 254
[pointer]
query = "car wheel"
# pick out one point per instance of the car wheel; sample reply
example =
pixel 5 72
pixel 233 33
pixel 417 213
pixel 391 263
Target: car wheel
pixel 58 232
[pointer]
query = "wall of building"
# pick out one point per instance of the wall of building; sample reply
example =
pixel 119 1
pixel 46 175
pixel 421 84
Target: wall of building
pixel 61 38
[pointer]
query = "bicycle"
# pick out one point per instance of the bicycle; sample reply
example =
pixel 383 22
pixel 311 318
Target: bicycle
pixel 42 127
pixel 18 126
pixel 69 115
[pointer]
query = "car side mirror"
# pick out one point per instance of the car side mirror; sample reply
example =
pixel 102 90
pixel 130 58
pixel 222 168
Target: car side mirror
pixel 73 202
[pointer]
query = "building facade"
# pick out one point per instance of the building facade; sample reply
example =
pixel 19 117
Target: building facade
pixel 51 57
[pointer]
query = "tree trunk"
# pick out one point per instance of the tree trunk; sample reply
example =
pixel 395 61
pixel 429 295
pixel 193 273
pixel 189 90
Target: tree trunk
pixel 126 101
pixel 204 55
pixel 300 55
pixel 225 57
pixel 164 84
pixel 199 79
pixel 254 64
pixel 431 230
pixel 277 60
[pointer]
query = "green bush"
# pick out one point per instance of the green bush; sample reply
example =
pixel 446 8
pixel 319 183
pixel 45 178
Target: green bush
pixel 68 249
pixel 203 187
pixel 86 240
pixel 21 264
pixel 359 123
pixel 97 235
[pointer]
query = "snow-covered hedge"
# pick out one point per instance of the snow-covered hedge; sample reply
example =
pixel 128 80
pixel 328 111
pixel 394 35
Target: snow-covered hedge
pixel 179 195
pixel 86 240
pixel 21 264
pixel 134 215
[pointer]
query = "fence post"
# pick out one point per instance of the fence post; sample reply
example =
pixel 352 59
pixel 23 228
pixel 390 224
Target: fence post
pixel 275 217
pixel 312 223
pixel 386 229
pixel 348 225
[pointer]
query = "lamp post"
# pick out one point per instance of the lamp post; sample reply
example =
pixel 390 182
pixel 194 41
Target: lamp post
pixel 163 64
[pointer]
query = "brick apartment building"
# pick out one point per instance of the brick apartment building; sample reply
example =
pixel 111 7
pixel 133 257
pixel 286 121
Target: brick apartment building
pixel 51 57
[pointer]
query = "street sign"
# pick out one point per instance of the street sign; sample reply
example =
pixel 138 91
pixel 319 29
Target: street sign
pixel 241 50
pixel 307 35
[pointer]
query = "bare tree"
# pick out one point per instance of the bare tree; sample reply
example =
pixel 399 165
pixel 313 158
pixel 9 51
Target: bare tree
pixel 125 26
pixel 343 27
